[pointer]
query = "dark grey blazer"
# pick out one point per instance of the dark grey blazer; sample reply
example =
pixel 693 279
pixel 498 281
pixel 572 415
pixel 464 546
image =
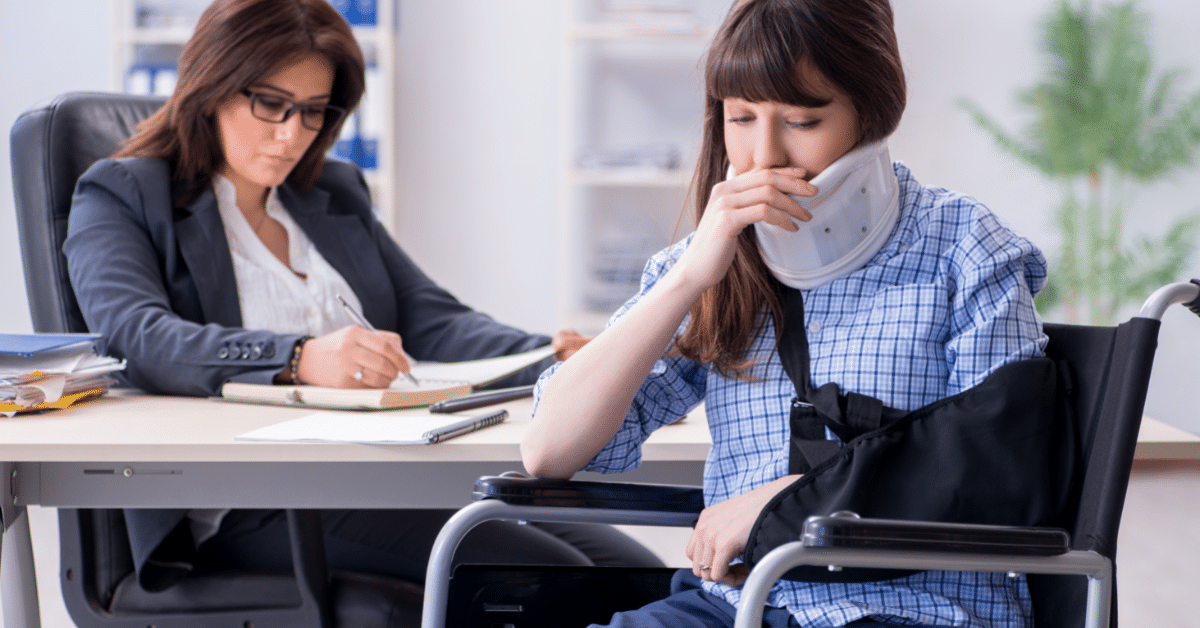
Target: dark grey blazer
pixel 158 283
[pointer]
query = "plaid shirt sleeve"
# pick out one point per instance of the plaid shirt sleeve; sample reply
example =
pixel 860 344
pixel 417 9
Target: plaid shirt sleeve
pixel 674 386
pixel 994 275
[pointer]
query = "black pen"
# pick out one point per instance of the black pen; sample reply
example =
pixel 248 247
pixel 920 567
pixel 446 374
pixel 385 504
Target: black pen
pixel 480 399
pixel 466 426
pixel 363 322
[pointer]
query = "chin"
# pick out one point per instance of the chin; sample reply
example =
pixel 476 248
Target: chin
pixel 274 178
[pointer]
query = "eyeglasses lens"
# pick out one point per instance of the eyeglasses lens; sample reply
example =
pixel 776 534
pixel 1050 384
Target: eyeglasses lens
pixel 274 109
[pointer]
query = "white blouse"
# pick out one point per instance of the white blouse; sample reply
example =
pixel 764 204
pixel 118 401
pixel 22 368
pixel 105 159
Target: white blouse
pixel 271 295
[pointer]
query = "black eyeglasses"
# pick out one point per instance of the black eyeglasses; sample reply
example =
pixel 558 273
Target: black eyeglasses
pixel 270 108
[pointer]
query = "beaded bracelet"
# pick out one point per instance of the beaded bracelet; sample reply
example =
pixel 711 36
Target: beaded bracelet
pixel 294 362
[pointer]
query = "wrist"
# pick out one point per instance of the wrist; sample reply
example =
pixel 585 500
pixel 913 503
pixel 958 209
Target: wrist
pixel 290 373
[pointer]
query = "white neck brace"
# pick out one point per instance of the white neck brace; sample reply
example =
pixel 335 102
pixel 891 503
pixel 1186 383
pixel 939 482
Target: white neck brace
pixel 857 204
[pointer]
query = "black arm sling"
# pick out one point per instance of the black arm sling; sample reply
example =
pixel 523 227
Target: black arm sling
pixel 1002 452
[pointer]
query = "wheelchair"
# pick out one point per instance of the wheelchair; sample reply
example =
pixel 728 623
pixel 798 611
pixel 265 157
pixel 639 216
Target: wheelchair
pixel 1070 566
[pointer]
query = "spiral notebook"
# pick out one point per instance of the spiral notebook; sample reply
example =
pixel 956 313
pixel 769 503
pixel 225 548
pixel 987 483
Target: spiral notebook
pixel 437 381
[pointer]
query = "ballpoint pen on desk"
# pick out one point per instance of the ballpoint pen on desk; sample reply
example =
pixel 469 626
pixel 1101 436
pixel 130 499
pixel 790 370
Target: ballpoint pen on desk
pixel 466 426
pixel 362 322
pixel 480 399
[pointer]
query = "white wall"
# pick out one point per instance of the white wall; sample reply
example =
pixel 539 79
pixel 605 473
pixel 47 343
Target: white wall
pixel 477 123
pixel 46 48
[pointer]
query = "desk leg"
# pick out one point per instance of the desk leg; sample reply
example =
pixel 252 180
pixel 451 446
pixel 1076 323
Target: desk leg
pixel 18 583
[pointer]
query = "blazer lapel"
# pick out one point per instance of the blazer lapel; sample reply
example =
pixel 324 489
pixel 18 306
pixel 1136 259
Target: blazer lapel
pixel 201 239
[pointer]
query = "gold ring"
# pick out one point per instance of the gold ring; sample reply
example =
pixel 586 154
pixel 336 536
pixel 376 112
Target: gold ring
pixel 705 568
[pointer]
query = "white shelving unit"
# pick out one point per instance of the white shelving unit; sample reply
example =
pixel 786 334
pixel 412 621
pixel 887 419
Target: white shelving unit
pixel 148 37
pixel 632 86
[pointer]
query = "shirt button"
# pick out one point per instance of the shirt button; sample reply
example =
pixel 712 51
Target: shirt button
pixel 814 327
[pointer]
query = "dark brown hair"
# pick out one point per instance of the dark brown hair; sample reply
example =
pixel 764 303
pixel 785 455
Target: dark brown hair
pixel 757 56
pixel 237 43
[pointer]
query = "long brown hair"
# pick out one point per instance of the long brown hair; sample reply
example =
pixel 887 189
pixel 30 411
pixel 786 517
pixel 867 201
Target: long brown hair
pixel 236 43
pixel 757 55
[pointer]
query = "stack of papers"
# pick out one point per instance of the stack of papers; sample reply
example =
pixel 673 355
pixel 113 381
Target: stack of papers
pixel 52 371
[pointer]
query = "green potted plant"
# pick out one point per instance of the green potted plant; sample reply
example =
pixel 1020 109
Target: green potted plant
pixel 1101 120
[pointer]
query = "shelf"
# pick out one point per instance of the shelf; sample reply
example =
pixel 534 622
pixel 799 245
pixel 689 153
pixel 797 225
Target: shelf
pixel 632 82
pixel 145 36
pixel 367 34
pixel 180 35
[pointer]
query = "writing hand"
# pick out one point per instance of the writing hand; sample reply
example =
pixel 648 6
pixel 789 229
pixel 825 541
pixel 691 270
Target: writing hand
pixel 337 358
pixel 722 531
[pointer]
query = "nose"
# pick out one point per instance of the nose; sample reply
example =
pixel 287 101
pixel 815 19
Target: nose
pixel 288 129
pixel 769 149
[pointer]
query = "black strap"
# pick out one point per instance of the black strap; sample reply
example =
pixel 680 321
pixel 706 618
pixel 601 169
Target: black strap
pixel 793 344
pixel 847 416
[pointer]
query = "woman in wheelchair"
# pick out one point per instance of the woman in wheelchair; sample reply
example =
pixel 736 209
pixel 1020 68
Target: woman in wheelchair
pixel 214 247
pixel 821 278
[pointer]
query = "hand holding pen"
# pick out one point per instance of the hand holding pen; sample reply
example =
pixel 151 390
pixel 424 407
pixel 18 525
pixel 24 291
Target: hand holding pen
pixel 397 359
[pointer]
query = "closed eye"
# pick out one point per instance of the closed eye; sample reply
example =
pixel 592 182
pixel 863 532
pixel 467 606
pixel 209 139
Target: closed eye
pixel 271 101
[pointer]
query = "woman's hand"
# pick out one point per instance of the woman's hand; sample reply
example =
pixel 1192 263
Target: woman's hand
pixel 722 531
pixel 758 195
pixel 566 342
pixel 335 359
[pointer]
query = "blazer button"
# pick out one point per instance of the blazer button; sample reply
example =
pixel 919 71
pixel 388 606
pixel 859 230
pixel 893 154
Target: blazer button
pixel 223 352
pixel 245 352
pixel 268 351
pixel 256 352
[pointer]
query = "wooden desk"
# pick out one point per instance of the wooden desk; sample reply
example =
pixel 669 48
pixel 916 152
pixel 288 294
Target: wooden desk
pixel 134 450
pixel 139 450
pixel 1158 441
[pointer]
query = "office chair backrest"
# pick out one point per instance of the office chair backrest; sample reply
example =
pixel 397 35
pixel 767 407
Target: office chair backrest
pixel 50 148
pixel 1109 372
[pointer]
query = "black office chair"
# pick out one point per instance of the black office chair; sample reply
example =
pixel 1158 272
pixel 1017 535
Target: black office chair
pixel 1110 369
pixel 51 147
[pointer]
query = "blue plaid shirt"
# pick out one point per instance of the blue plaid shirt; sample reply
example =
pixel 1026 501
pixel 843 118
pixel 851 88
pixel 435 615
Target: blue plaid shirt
pixel 946 301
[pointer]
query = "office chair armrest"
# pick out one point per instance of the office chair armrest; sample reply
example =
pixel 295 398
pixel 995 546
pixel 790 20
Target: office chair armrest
pixel 524 491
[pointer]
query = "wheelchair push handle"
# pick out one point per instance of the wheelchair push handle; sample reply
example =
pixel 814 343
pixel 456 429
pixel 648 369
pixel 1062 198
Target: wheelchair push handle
pixel 1185 293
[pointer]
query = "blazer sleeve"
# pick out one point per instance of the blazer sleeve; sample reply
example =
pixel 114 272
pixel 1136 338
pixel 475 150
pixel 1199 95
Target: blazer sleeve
pixel 134 288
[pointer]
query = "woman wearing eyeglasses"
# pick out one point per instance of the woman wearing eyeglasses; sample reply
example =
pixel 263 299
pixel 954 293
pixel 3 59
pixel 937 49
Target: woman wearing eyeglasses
pixel 213 248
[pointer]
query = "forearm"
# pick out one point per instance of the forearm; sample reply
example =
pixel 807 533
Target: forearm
pixel 585 402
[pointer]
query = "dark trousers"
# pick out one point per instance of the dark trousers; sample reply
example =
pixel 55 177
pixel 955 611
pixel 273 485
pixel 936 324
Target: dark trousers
pixel 397 543
pixel 690 606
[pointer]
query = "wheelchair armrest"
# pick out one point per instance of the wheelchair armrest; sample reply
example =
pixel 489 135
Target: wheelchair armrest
pixel 848 530
pixel 524 491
